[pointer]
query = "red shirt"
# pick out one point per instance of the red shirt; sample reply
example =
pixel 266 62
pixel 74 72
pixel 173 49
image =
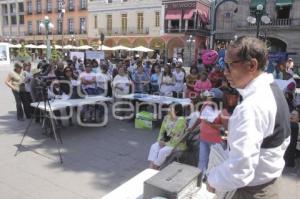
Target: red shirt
pixel 210 134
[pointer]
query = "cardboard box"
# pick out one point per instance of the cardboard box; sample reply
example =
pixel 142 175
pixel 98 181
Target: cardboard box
pixel 143 120
pixel 176 181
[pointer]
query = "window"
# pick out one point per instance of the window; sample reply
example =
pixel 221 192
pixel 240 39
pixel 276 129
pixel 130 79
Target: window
pixel 29 28
pixel 13 8
pixel 13 20
pixel 5 20
pixel 38 27
pixel 124 23
pixel 59 26
pixel 38 6
pixel 29 8
pixel 83 4
pixel 4 9
pixel 124 0
pixel 109 23
pixel 71 5
pixel 82 26
pixel 21 7
pixel 95 22
pixel 140 22
pixel 21 19
pixel 49 5
pixel 283 12
pixel 157 19
pixel 109 1
pixel 59 5
pixel 70 26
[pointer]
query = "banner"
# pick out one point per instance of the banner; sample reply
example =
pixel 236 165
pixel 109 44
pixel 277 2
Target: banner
pixel 79 55
pixel 98 55
pixel 4 53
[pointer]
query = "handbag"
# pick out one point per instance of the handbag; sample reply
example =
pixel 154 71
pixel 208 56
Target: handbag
pixel 166 138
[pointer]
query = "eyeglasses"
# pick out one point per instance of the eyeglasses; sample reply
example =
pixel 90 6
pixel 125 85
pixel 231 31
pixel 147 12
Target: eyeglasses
pixel 229 63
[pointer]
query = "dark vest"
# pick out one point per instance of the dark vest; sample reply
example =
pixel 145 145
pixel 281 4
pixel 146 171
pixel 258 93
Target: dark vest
pixel 282 129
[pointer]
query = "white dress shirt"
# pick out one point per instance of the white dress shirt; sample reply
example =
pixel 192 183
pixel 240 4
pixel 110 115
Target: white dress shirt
pixel 252 120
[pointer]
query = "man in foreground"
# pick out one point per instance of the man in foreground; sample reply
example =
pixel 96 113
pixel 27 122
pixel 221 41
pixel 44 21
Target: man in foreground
pixel 259 128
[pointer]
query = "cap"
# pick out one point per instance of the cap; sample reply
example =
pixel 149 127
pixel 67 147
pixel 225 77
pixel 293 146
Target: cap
pixel 35 71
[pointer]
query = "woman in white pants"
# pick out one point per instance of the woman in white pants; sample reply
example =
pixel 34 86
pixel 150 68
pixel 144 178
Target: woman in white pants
pixel 170 133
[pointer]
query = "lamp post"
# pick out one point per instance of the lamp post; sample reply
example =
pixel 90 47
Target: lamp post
pixel 214 8
pixel 47 25
pixel 259 16
pixel 61 17
pixel 190 41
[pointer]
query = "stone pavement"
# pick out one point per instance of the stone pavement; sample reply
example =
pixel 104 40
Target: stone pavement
pixel 96 160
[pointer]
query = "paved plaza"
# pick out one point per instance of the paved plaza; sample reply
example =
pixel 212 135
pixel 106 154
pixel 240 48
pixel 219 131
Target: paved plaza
pixel 96 160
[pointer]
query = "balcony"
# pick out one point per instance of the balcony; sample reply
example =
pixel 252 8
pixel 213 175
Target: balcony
pixel 38 11
pixel 275 24
pixel 82 7
pixel 47 10
pixel 29 12
pixel 128 31
pixel 71 8
pixel 189 30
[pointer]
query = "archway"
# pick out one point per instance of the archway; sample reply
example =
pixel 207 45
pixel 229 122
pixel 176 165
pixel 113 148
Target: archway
pixel 109 42
pixel 175 47
pixel 140 42
pixel 276 45
pixel 124 42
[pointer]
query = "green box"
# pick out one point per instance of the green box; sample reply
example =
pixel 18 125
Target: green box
pixel 143 120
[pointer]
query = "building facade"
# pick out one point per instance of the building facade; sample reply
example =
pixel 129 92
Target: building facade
pixel 12 20
pixel 69 18
pixel 129 23
pixel 186 28
pixel 282 32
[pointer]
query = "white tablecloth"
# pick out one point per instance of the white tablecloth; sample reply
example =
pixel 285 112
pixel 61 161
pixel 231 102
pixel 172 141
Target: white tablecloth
pixel 58 104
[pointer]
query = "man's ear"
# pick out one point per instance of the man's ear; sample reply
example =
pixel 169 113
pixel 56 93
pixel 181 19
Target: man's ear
pixel 254 65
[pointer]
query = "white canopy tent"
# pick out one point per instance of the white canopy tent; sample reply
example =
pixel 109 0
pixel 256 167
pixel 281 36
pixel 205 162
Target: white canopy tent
pixel 57 47
pixel 121 48
pixel 103 47
pixel 69 47
pixel 84 47
pixel 42 46
pixel 142 49
pixel 15 45
pixel 30 46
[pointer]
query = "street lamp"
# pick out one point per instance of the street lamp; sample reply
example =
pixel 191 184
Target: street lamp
pixel 190 41
pixel 48 26
pixel 259 17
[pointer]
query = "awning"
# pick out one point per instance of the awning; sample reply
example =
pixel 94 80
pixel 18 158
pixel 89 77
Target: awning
pixel 254 3
pixel 284 2
pixel 173 14
pixel 203 17
pixel 188 14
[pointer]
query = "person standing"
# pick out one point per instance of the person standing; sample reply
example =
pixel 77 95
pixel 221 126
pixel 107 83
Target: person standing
pixel 25 89
pixel 13 81
pixel 258 130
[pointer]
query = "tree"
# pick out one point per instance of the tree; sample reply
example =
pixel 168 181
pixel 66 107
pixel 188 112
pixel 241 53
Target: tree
pixel 22 54
pixel 55 54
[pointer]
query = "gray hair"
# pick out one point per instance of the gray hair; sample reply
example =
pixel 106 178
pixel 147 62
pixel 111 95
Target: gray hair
pixel 251 48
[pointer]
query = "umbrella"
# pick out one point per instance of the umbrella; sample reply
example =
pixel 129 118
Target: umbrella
pixel 84 47
pixel 15 46
pixel 120 48
pixel 103 47
pixel 58 47
pixel 69 47
pixel 142 49
pixel 30 46
pixel 43 46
